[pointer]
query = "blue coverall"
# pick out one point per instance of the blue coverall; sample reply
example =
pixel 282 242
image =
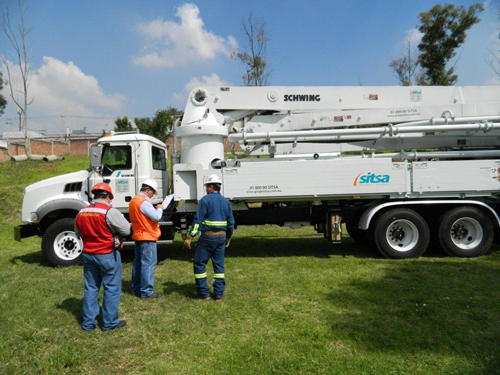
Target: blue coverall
pixel 214 214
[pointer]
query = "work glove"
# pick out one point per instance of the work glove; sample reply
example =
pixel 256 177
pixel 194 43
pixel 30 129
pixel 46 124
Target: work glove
pixel 228 241
pixel 187 244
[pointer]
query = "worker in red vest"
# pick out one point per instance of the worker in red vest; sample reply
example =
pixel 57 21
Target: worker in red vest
pixel 101 228
pixel 146 231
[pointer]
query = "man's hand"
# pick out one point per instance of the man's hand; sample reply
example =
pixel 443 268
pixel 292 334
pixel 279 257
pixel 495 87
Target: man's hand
pixel 187 244
pixel 227 243
pixel 160 206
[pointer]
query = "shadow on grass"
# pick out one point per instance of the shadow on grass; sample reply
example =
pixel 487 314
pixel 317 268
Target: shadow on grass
pixel 35 257
pixel 274 247
pixel 258 247
pixel 444 308
pixel 74 306
pixel 127 286
pixel 185 290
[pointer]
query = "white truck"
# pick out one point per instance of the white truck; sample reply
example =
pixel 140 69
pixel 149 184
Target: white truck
pixel 397 165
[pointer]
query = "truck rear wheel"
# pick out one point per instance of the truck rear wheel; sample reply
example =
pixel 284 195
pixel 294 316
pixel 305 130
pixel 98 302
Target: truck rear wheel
pixel 465 232
pixel 60 245
pixel 358 235
pixel 401 233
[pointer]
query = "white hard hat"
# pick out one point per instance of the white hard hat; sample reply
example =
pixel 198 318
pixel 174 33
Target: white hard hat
pixel 213 179
pixel 152 184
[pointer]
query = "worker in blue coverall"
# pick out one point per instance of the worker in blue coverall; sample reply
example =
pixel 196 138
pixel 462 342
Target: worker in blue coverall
pixel 214 219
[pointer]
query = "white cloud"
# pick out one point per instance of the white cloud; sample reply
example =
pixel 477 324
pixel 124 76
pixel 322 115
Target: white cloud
pixel 414 37
pixel 213 80
pixel 65 82
pixel 170 44
pixel 60 88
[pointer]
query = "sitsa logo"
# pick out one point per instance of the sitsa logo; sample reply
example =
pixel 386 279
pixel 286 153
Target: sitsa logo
pixel 371 178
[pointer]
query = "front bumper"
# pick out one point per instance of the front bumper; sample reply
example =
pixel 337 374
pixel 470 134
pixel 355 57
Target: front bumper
pixel 23 231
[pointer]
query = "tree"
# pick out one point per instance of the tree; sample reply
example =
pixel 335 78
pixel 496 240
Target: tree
pixel 254 58
pixel 161 125
pixel 3 101
pixel 122 124
pixel 405 68
pixel 17 37
pixel 444 29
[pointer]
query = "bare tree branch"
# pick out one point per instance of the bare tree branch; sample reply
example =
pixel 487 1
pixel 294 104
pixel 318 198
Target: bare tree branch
pixel 405 68
pixel 18 37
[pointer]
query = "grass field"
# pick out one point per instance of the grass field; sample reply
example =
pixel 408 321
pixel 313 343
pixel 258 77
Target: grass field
pixel 294 305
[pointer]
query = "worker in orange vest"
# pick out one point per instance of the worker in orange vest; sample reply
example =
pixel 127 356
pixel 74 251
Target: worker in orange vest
pixel 146 231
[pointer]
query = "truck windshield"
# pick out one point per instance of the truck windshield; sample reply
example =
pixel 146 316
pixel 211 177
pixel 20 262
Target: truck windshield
pixel 116 157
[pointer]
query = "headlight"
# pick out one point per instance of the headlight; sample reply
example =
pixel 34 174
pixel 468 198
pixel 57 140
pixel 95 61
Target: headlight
pixel 34 217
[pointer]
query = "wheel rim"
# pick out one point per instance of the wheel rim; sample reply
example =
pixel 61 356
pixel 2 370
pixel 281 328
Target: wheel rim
pixel 466 233
pixel 67 246
pixel 402 235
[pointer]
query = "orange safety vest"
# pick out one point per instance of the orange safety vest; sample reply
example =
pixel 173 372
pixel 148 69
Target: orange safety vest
pixel 143 227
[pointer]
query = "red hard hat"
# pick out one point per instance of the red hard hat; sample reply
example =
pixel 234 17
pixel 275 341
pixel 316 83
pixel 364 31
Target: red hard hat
pixel 101 186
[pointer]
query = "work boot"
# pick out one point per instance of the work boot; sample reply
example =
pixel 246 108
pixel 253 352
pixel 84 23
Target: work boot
pixel 203 298
pixel 121 324
pixel 154 295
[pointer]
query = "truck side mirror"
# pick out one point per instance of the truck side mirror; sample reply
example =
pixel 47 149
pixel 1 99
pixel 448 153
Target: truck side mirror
pixel 95 155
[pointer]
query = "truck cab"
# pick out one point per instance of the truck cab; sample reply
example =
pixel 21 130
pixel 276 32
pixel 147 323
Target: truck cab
pixel 50 206
pixel 125 161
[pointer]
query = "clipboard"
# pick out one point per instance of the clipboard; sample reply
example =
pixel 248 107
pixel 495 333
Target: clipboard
pixel 168 199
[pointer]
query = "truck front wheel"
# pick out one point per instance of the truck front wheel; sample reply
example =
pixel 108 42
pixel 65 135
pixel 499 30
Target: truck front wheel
pixel 60 245
pixel 465 232
pixel 401 233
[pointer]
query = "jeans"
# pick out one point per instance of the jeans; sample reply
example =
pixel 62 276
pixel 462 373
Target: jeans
pixel 143 268
pixel 105 269
pixel 210 247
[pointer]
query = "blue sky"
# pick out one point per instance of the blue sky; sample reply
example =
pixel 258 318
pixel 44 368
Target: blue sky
pixel 95 60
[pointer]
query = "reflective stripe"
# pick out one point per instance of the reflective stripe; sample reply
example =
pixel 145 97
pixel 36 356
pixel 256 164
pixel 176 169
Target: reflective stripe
pixel 195 230
pixel 200 275
pixel 215 223
pixel 218 275
pixel 94 210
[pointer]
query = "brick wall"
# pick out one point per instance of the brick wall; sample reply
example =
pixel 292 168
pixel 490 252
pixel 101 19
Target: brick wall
pixel 73 147
pixel 81 146
pixel 49 147
pixel 17 149
pixel 3 155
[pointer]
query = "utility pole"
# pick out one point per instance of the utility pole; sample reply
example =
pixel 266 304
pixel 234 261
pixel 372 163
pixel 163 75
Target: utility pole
pixel 19 112
pixel 62 126
pixel 7 127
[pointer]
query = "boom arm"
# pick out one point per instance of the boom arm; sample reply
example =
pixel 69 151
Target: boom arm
pixel 290 120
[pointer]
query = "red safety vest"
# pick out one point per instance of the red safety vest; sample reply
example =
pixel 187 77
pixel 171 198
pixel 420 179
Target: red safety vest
pixel 96 235
pixel 143 227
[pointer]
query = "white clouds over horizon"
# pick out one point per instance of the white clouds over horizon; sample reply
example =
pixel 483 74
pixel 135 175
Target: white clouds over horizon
pixel 212 80
pixel 63 89
pixel 169 44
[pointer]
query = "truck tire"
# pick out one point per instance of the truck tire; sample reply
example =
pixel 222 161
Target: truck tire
pixel 401 233
pixel 358 235
pixel 465 232
pixel 60 245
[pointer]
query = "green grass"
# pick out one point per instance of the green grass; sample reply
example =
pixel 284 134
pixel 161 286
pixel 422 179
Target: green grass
pixel 294 305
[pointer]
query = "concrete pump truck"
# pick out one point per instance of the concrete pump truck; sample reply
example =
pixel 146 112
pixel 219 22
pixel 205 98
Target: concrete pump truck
pixel 396 165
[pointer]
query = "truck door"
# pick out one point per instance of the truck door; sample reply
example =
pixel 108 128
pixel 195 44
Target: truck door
pixel 159 170
pixel 118 169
